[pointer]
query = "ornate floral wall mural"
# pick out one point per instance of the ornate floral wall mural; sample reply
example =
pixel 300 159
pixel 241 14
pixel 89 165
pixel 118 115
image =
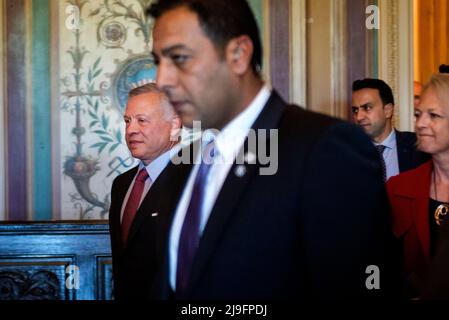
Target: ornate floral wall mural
pixel 70 66
pixel 110 53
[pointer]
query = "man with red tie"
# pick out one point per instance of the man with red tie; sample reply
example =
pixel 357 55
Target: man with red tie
pixel 152 128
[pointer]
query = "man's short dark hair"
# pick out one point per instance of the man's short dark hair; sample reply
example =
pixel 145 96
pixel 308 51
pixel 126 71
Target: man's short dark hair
pixel 385 92
pixel 221 21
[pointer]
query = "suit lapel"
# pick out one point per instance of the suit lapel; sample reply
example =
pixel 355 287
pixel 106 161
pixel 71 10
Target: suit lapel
pixel 142 212
pixel 153 203
pixel 232 190
pixel 403 150
pixel 417 193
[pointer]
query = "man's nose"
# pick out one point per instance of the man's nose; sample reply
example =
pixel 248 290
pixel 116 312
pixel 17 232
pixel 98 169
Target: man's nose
pixel 360 115
pixel 131 127
pixel 166 75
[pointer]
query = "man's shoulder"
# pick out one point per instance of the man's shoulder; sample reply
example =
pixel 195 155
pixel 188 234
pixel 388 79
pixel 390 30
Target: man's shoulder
pixel 278 114
pixel 296 114
pixel 126 175
pixel 306 123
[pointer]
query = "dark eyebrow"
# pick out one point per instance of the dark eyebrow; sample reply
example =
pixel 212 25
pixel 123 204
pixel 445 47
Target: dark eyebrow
pixel 365 105
pixel 167 51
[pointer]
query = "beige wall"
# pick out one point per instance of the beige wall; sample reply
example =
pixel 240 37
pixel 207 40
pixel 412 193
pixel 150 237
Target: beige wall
pixel 326 57
pixel 318 56
pixel 396 56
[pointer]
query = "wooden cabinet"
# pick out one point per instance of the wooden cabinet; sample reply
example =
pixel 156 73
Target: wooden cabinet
pixel 55 261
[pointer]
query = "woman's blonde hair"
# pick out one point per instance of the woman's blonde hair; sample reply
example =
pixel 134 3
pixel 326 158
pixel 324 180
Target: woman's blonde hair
pixel 439 83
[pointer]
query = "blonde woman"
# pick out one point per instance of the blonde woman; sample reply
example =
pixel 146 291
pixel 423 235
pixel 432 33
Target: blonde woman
pixel 420 197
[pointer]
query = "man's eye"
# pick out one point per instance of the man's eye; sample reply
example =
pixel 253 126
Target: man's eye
pixel 355 110
pixel 367 108
pixel 179 59
pixel 127 121
pixel 417 114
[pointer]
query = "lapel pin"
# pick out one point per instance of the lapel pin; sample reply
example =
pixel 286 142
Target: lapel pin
pixel 240 171
pixel 154 214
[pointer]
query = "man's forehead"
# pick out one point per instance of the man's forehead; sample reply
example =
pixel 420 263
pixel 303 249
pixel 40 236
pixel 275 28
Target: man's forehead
pixel 175 25
pixel 366 94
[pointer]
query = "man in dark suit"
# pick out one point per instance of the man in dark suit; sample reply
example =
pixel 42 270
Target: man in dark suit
pixel 151 130
pixel 299 211
pixel 373 110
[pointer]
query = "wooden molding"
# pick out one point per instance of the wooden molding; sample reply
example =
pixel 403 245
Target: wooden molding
pixel 298 57
pixel 396 56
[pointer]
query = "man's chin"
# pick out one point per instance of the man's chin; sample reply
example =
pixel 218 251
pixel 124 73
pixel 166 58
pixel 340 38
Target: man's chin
pixel 187 121
pixel 136 155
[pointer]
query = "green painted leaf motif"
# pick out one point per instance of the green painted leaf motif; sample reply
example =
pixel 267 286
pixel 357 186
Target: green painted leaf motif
pixel 93 115
pixel 106 139
pixel 118 135
pixel 97 62
pixel 104 121
pixel 97 73
pixel 93 13
pixel 102 148
pixel 113 147
pixel 92 124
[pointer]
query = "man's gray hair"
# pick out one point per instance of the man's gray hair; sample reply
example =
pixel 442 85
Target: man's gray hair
pixel 153 88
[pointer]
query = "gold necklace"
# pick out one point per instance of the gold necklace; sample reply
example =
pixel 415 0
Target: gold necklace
pixel 443 209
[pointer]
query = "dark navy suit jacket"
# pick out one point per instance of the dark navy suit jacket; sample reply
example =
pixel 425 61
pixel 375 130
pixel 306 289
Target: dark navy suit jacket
pixel 135 265
pixel 308 231
pixel 408 157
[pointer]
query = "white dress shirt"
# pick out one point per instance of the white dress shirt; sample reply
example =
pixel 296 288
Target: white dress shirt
pixel 154 169
pixel 390 155
pixel 227 145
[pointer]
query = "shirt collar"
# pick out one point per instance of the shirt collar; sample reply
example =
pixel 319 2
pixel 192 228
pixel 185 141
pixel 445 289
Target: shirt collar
pixel 390 141
pixel 156 166
pixel 229 140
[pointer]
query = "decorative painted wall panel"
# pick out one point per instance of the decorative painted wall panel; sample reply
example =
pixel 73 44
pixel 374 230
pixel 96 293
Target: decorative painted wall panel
pixel 108 54
pixel 68 68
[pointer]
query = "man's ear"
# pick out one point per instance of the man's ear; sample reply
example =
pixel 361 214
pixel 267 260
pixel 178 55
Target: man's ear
pixel 389 110
pixel 175 132
pixel 239 53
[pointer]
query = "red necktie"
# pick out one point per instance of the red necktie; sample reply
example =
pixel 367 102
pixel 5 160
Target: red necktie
pixel 133 204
